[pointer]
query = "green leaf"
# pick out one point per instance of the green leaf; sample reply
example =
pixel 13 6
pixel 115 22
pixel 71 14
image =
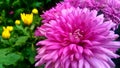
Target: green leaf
pixel 31 52
pixel 32 60
pixel 19 27
pixel 1 29
pixel 18 11
pixel 16 3
pixel 11 58
pixel 22 30
pixel 1 66
pixel 3 13
pixel 12 40
pixel 4 51
pixel 8 58
pixel 36 4
pixel 21 40
pixel 1 3
pixel 4 41
pixel 3 19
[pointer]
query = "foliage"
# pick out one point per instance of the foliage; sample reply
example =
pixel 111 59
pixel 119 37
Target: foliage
pixel 19 50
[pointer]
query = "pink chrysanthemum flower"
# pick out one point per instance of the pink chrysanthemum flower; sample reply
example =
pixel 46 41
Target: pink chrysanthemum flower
pixel 51 14
pixel 54 12
pixel 110 8
pixel 78 38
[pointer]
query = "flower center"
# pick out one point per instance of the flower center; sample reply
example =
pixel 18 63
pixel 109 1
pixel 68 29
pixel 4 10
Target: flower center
pixel 76 36
pixel 77 33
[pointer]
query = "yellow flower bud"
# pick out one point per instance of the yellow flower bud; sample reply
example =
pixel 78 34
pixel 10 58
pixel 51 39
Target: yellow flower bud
pixel 10 28
pixel 4 28
pixel 27 18
pixel 17 22
pixel 5 34
pixel 35 11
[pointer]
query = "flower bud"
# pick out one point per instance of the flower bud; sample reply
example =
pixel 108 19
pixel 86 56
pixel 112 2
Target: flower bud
pixel 35 11
pixel 6 34
pixel 27 18
pixel 17 22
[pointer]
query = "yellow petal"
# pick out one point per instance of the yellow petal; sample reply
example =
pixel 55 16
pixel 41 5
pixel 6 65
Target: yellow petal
pixel 10 28
pixel 6 34
pixel 27 18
